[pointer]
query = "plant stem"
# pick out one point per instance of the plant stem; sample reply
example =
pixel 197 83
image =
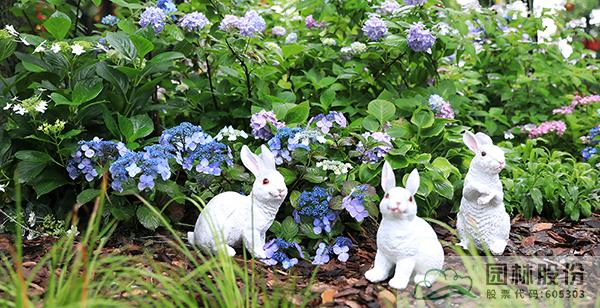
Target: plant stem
pixel 77 17
pixel 244 67
pixel 210 82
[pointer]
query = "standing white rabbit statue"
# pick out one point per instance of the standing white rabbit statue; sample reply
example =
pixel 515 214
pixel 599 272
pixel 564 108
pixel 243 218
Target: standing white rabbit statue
pixel 404 240
pixel 230 218
pixel 482 217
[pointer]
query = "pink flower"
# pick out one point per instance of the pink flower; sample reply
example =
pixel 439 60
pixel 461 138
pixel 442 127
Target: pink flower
pixel 559 127
pixel 577 100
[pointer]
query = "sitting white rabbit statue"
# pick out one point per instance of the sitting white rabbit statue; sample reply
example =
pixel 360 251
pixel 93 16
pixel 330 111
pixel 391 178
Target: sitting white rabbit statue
pixel 404 240
pixel 482 217
pixel 230 218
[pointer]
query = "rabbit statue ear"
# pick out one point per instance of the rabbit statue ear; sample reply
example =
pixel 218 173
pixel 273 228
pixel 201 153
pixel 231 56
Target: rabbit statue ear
pixel 251 161
pixel 413 182
pixel 267 157
pixel 388 179
pixel 471 141
pixel 483 138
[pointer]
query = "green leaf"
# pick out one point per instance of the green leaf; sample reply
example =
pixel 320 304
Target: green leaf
pixel 33 156
pixel 122 211
pixel 291 50
pixel 58 25
pixel 86 90
pixel 28 171
pixel 116 78
pixel 442 164
pixel 87 195
pixel 538 200
pixel 443 187
pixel 126 127
pixel 48 181
pixel 298 114
pixel 110 123
pixel 370 123
pixel 142 45
pixel 382 110
pixel 31 63
pixel 142 126
pixel 133 6
pixel 289 228
pixel 422 118
pixel 61 100
pixel 120 41
pixel 147 218
pixel 7 48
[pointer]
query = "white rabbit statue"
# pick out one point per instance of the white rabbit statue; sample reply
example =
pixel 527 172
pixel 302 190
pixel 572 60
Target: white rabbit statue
pixel 404 241
pixel 230 218
pixel 482 217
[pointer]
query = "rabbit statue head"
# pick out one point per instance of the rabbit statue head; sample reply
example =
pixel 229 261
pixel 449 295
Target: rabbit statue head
pixel 269 185
pixel 488 157
pixel 398 203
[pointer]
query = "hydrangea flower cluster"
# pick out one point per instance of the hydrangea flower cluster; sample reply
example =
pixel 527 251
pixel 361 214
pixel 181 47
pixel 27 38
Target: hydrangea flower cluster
pixel 311 22
pixel 414 2
pixel 592 140
pixel 354 202
pixel 441 107
pixel 32 105
pixel 209 158
pixel 291 38
pixel 194 21
pixel 420 39
pixel 248 25
pixel 326 122
pixel 354 48
pixel 93 155
pixel 144 166
pixel 577 100
pixel 110 20
pixel 283 144
pixel 278 31
pixel 230 133
pixel 340 248
pixel 378 144
pixel 167 6
pixel 315 205
pixel 337 167
pixel 374 28
pixel 559 127
pixel 389 7
pixel 275 250
pixel 261 123
pixel 153 17
pixel 322 254
pixel 329 41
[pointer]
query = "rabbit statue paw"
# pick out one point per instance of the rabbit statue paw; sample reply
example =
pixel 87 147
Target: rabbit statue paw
pixel 482 218
pixel 406 243
pixel 230 219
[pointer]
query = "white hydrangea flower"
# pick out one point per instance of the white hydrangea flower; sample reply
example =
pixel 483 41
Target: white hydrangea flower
pixel 565 48
pixel 551 6
pixel 337 167
pixel 358 47
pixel 469 4
pixel 231 134
pixel 11 30
pixel 40 47
pixel 18 109
pixel 329 41
pixel 31 219
pixel 182 87
pixel 41 106
pixel 55 48
pixel 549 29
pixel 2 187
pixel 77 49
pixel 517 9
pixel 595 17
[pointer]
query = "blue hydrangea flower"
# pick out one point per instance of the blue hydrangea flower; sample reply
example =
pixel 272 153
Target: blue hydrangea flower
pixel 110 20
pixel 261 123
pixel 229 22
pixel 283 144
pixel 441 107
pixel 321 255
pixel 92 156
pixel 326 122
pixel 389 7
pixel 277 251
pixel 587 152
pixel 377 145
pixel 278 31
pixel 145 167
pixel 342 247
pixel 314 205
pixel 420 39
pixel 354 203
pixel 194 21
pixel 154 17
pixel 167 6
pixel 414 2
pixel 291 38
pixel 374 28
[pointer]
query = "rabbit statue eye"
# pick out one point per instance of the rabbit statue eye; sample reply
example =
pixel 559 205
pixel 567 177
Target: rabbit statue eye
pixel 483 153
pixel 410 199
pixel 387 196
pixel 265 181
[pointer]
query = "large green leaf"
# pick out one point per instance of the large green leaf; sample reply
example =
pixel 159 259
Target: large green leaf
pixel 142 45
pixel 7 48
pixel 298 114
pixel 33 156
pixel 382 110
pixel 116 78
pixel 61 100
pixel 120 41
pixel 86 90
pixel 422 118
pixel 27 171
pixel 87 195
pixel 289 228
pixel 49 180
pixel 147 218
pixel 58 25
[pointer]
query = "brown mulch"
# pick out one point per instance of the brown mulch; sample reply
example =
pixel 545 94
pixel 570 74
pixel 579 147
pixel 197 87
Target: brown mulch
pixel 343 284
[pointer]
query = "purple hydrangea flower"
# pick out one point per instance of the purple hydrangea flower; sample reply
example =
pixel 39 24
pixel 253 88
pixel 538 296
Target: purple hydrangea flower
pixel 283 144
pixel 420 39
pixel 321 255
pixel 374 28
pixel 354 203
pixel 251 24
pixel 167 6
pixel 311 22
pixel 194 21
pixel 314 205
pixel 229 23
pixel 110 20
pixel 277 251
pixel 278 31
pixel 291 38
pixel 389 7
pixel 326 122
pixel 342 247
pixel 150 164
pixel 441 107
pixel 153 17
pixel 378 144
pixel 261 124
pixel 414 2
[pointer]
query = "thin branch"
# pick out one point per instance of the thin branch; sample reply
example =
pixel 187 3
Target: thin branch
pixel 210 82
pixel 244 67
pixel 77 17
pixel 389 65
